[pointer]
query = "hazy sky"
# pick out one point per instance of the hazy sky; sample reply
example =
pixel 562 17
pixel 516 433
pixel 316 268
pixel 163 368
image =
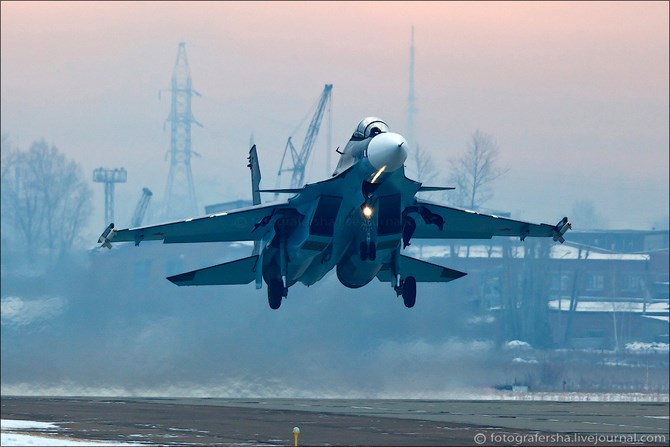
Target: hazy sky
pixel 575 94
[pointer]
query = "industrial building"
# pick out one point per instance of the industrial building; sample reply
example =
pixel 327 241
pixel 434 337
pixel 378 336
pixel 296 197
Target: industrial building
pixel 573 295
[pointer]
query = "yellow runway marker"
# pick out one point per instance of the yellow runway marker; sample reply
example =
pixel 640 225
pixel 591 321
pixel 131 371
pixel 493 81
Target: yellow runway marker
pixel 296 433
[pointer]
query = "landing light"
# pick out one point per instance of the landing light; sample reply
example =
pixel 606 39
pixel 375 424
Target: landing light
pixel 367 211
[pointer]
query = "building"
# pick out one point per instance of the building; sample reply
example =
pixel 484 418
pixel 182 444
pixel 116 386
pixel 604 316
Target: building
pixel 600 289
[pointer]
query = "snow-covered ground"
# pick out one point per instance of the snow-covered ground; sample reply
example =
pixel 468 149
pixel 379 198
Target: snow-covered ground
pixel 598 305
pixel 34 433
pixel 581 397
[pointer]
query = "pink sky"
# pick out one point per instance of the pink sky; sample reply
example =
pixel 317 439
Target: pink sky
pixel 567 89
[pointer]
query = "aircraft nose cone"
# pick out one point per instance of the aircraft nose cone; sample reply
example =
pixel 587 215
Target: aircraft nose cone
pixel 387 149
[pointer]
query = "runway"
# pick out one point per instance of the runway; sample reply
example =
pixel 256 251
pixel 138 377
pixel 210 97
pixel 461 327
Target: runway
pixel 270 422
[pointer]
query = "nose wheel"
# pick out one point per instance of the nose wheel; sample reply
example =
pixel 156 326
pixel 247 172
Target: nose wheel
pixel 368 251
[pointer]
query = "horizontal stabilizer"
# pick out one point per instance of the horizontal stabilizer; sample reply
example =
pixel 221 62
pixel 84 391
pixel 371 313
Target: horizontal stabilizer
pixel 241 271
pixel 436 188
pixel 422 271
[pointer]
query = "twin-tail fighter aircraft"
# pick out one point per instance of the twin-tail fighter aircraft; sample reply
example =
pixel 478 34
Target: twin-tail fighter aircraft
pixel 358 222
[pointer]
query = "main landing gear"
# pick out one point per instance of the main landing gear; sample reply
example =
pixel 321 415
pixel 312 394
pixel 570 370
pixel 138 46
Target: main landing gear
pixel 407 289
pixel 276 291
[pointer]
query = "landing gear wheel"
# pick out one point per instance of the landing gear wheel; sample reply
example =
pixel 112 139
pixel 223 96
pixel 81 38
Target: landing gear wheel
pixel 409 291
pixel 364 251
pixel 275 293
pixel 372 253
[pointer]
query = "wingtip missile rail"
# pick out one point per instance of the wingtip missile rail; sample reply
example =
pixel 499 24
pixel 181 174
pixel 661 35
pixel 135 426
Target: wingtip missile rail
pixel 559 230
pixel 107 236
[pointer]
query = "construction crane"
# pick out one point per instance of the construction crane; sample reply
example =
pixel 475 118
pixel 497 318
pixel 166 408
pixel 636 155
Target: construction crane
pixel 300 158
pixel 141 208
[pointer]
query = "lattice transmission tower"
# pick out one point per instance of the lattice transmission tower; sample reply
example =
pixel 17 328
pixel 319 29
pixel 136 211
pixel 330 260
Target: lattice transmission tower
pixel 180 200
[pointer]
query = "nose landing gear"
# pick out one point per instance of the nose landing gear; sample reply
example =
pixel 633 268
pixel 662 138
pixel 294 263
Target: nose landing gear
pixel 368 251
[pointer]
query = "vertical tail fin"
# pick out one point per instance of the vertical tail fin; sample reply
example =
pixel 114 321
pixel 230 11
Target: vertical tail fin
pixel 255 175
pixel 255 186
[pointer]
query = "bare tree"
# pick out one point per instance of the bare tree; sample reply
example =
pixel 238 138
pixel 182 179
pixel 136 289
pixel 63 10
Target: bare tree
pixel 426 173
pixel 425 167
pixel 474 172
pixel 45 201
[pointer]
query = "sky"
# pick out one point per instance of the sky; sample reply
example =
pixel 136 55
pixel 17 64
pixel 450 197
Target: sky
pixel 575 94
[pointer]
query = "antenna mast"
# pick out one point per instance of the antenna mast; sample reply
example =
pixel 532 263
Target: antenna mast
pixel 411 107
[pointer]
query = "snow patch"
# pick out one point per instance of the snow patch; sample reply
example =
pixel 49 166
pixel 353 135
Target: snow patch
pixel 518 344
pixel 622 305
pixel 19 439
pixel 11 424
pixel 638 346
pixel 522 360
pixel 20 312
pixel 13 434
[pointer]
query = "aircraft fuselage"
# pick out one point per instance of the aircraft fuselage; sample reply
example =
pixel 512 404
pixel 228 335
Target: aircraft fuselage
pixel 334 229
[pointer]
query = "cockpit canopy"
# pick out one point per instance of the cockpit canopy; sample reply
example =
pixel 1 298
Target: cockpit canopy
pixel 369 127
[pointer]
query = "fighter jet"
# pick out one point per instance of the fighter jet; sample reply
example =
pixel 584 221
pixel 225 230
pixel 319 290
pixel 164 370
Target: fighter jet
pixel 358 221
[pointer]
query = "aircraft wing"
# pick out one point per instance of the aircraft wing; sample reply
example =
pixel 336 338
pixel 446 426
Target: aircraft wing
pixel 246 224
pixel 442 222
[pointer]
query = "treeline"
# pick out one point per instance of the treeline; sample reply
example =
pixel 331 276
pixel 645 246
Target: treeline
pixel 45 202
